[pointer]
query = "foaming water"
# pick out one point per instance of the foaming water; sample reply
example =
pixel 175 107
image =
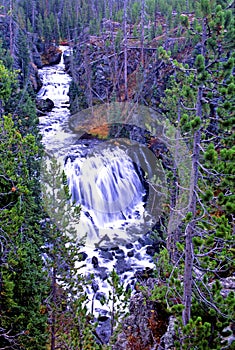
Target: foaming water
pixel 111 193
pixel 54 125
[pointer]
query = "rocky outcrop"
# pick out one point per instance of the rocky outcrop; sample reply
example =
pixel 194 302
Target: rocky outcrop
pixel 51 55
pixel 36 57
pixel 68 56
pixel 97 67
pixel 34 77
pixel 147 323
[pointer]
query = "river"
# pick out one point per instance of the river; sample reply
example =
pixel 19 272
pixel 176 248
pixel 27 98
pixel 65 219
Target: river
pixel 118 181
pixel 104 177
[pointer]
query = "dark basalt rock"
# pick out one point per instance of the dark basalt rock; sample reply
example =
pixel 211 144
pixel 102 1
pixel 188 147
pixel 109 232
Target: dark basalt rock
pixel 143 275
pixel 37 58
pixel 103 273
pixel 122 266
pixel 103 329
pixel 67 56
pixel 146 324
pixel 44 105
pixel 100 295
pixel 129 246
pixel 34 77
pixel 106 255
pixel 150 250
pixel 119 254
pixel 131 253
pixel 95 262
pixel 83 256
pixel 51 55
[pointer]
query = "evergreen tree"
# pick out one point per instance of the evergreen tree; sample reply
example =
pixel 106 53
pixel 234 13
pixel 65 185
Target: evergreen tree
pixel 23 282
pixel 203 102
pixel 69 322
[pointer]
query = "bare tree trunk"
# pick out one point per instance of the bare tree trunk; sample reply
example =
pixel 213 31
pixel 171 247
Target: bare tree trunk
pixel 125 51
pixel 33 14
pixel 1 109
pixel 53 316
pixel 187 6
pixel 173 234
pixel 189 255
pixel 11 27
pixel 142 31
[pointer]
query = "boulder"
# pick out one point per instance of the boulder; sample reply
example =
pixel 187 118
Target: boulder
pixel 34 77
pixel 44 105
pixel 51 55
pixel 146 324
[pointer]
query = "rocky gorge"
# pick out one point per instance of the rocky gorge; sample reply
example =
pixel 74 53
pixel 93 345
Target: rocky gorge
pixel 133 261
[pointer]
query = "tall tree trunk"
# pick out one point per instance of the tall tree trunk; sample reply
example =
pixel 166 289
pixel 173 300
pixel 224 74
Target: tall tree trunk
pixel 33 14
pixel 53 316
pixel 189 255
pixel 142 31
pixel 125 51
pixel 173 234
pixel 1 109
pixel 11 27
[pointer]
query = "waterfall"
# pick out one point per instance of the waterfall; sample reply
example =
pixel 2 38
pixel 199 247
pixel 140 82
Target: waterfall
pixel 110 190
pixel 108 179
pixel 106 183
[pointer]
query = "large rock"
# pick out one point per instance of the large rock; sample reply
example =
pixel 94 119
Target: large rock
pixel 44 105
pixel 145 326
pixel 51 55
pixel 68 56
pixel 37 58
pixel 34 77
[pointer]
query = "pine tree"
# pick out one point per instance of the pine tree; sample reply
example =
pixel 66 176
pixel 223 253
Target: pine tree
pixel 202 104
pixel 68 317
pixel 23 282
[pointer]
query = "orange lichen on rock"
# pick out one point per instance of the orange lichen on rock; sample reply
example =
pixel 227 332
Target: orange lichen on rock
pixel 101 131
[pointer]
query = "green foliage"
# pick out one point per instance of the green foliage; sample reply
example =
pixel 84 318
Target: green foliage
pixel 22 279
pixel 23 307
pixel 211 154
pixel 168 291
pixel 70 324
pixel 184 21
pixel 117 301
pixel 7 79
pixel 212 218
pixel 118 39
pixel 195 123
pixel 195 334
pixel 77 98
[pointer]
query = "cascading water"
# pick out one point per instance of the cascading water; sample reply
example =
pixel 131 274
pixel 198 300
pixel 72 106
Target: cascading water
pixel 110 190
pixel 103 176
pixel 53 125
pixel 106 178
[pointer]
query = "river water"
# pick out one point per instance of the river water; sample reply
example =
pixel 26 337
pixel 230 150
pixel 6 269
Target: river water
pixel 104 177
pixel 118 183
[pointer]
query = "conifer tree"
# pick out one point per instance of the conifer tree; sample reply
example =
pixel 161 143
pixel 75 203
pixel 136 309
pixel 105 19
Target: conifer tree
pixel 23 282
pixel 203 106
pixel 68 318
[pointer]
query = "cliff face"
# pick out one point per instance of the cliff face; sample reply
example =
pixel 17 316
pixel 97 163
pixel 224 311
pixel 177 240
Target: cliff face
pixel 148 326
